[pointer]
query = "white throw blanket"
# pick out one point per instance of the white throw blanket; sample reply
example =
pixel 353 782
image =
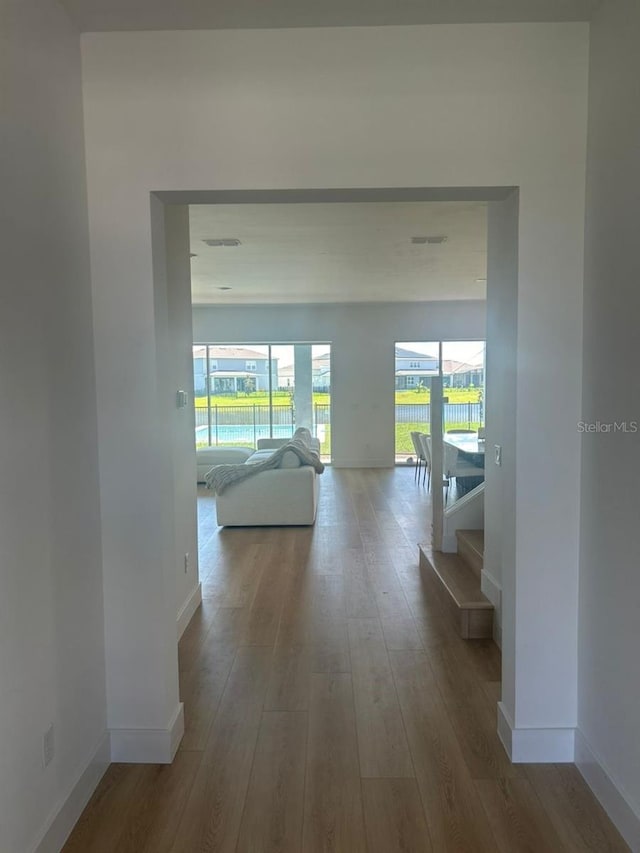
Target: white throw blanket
pixel 222 476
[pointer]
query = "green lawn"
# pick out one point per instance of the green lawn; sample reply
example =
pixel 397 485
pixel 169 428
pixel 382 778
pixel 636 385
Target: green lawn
pixel 454 395
pixel 403 434
pixel 257 398
pixel 283 398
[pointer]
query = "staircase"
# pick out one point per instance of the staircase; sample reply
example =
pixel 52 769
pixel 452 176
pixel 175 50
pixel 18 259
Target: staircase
pixel 458 577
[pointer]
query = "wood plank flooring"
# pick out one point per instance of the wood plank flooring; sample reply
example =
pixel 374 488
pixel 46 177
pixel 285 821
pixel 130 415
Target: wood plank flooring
pixel 331 707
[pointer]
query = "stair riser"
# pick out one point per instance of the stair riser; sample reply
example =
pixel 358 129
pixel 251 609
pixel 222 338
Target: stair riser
pixel 471 557
pixel 476 624
pixel 471 623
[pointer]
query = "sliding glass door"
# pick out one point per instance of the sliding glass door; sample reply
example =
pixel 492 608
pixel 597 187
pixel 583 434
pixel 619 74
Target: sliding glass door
pixel 461 367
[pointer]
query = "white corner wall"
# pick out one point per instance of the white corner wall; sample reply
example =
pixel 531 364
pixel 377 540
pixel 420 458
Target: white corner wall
pixel 177 374
pixel 362 336
pixel 609 664
pixel 51 623
pixel 498 574
pixel 445 106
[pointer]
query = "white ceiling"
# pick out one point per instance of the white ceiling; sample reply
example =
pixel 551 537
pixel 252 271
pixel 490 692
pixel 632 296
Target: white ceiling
pixel 97 15
pixel 342 252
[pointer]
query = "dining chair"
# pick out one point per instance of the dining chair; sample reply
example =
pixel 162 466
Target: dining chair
pixel 420 457
pixel 425 445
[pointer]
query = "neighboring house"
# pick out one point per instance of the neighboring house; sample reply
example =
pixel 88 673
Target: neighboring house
pixel 413 368
pixel 321 374
pixel 459 374
pixel 231 370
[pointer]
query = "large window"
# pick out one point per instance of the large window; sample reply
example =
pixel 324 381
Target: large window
pixel 244 392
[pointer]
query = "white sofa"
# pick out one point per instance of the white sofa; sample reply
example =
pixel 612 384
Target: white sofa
pixel 280 496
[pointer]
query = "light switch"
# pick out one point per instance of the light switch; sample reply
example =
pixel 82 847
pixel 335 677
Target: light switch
pixel 498 450
pixel 181 399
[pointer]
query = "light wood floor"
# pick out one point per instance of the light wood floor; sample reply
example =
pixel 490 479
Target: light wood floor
pixel 331 706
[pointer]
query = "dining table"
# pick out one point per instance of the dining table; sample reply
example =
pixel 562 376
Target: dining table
pixel 471 449
pixel 468 443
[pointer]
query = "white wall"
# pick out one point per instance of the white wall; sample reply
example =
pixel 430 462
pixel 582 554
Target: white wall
pixel 609 683
pixel 501 395
pixel 458 106
pixel 51 623
pixel 363 336
pixel 177 374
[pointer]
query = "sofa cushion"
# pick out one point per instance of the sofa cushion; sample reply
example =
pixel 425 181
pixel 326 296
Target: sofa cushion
pixel 207 457
pixel 302 434
pixel 259 456
pixel 290 460
pixel 271 443
pixel 222 455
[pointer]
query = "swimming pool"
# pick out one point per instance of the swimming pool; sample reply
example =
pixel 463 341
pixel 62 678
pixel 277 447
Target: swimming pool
pixel 240 433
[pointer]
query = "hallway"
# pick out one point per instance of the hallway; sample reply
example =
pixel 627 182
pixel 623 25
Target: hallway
pixel 331 706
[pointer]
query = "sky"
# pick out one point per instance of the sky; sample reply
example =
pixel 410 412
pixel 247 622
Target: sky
pixel 470 352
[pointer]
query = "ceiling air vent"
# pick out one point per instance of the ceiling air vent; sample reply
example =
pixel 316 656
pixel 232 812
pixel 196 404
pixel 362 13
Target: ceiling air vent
pixel 222 241
pixel 434 240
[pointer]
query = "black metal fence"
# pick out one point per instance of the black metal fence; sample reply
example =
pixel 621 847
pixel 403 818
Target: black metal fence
pixel 453 413
pixel 245 424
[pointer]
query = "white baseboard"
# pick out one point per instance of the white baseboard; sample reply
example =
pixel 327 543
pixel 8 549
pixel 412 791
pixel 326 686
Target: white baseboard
pixel 535 746
pixel 491 588
pixel 65 816
pixel 148 746
pixel 194 600
pixel 608 793
pixel 362 463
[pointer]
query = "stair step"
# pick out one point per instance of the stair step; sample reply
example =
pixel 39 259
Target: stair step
pixel 471 549
pixel 461 590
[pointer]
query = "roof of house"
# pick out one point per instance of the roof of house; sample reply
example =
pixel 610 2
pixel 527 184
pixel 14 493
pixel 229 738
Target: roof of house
pixel 451 366
pixel 407 353
pixel 317 363
pixel 228 352
pixel 232 374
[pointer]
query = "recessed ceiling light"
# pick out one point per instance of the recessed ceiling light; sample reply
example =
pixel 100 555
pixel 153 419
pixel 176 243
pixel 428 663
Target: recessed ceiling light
pixel 434 239
pixel 224 288
pixel 216 242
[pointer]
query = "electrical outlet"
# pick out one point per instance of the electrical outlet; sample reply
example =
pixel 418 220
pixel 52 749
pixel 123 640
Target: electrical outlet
pixel 186 562
pixel 48 746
